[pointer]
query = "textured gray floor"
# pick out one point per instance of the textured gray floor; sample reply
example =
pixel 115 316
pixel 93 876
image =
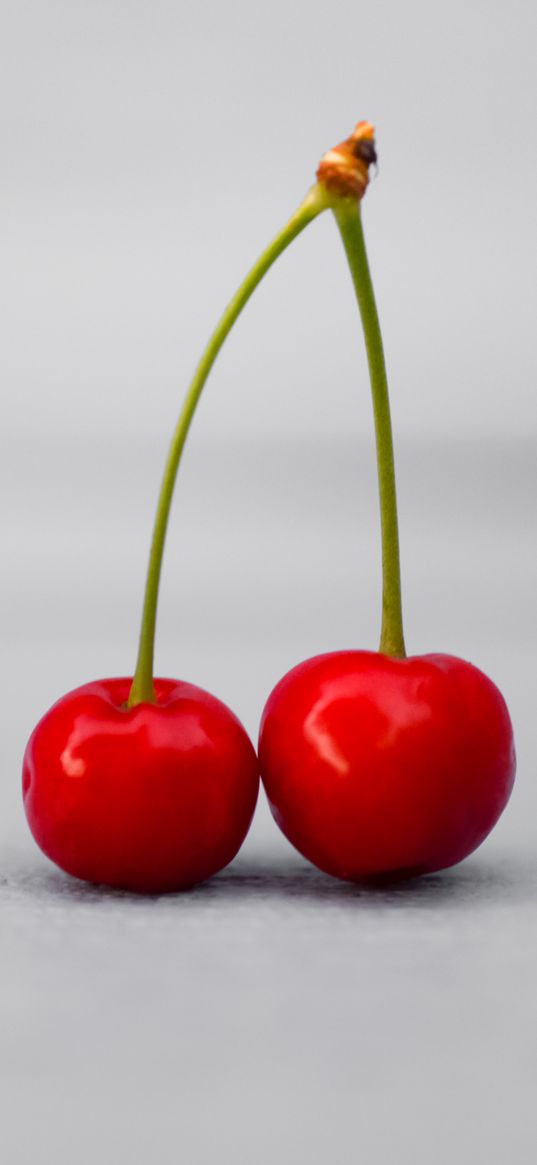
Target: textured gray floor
pixel 273 1014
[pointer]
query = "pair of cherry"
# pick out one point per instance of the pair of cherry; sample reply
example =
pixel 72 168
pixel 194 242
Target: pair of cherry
pixel 372 766
pixel 375 765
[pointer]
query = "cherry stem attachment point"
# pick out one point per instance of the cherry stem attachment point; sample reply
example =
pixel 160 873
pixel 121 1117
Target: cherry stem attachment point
pixel 347 213
pixel 317 200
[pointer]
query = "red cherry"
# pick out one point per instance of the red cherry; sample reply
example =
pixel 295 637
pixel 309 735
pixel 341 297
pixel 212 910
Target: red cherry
pixel 378 766
pixel 150 798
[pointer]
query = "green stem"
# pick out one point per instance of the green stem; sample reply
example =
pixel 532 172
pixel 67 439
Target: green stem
pixel 348 218
pixel 142 689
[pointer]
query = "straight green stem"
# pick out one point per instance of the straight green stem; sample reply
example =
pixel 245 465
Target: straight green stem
pixel 142 689
pixel 348 218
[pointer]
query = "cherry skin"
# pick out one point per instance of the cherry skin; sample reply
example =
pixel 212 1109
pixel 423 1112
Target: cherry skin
pixel 379 767
pixel 151 798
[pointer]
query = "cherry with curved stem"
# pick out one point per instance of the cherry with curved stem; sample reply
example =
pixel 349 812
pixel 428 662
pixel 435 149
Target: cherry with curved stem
pixel 377 765
pixel 150 784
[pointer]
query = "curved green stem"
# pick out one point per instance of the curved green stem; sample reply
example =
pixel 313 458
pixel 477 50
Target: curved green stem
pixel 348 218
pixel 142 688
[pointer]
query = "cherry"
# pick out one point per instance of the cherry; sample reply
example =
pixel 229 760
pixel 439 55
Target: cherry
pixel 149 798
pixel 374 764
pixel 379 766
pixel 151 784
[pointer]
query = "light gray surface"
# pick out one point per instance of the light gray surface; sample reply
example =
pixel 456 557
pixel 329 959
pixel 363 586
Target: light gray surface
pixel 272 1016
pixel 149 151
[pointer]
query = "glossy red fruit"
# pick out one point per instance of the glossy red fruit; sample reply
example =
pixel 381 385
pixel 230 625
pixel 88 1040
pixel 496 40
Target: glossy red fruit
pixel 151 798
pixel 382 767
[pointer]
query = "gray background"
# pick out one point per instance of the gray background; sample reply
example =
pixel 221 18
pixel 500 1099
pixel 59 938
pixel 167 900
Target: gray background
pixel 149 151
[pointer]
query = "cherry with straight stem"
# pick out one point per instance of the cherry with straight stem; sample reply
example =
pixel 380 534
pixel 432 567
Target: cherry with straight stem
pixel 378 765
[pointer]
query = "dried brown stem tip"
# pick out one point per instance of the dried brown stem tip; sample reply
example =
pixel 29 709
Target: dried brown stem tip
pixel 345 169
